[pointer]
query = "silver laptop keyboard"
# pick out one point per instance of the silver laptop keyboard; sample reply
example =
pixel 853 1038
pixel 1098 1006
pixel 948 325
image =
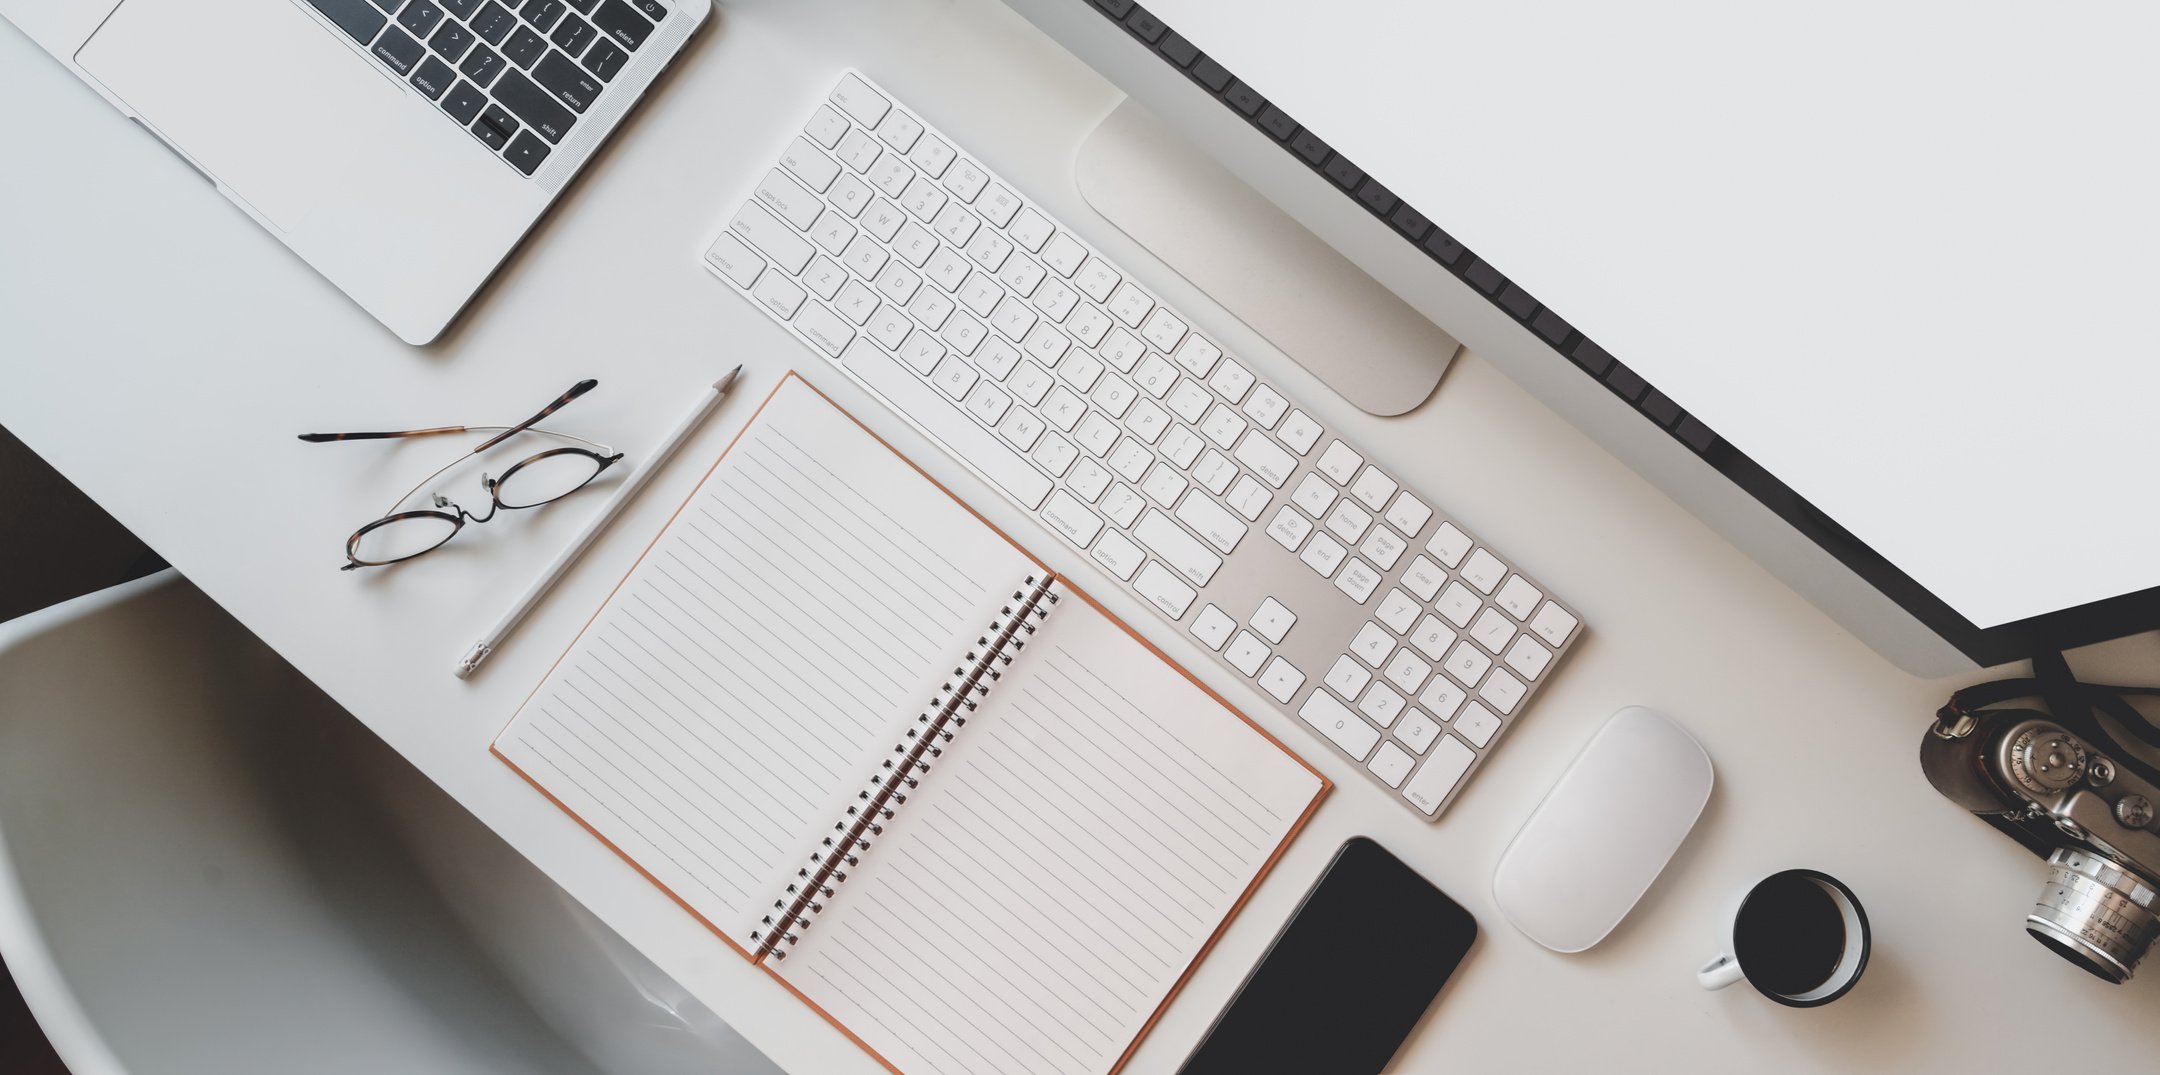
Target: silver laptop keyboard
pixel 1382 625
pixel 518 80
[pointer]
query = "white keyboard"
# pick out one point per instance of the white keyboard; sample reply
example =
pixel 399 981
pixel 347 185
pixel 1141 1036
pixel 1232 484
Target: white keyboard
pixel 1389 630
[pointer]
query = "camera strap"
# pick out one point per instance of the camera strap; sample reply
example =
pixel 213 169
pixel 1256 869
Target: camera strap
pixel 2072 703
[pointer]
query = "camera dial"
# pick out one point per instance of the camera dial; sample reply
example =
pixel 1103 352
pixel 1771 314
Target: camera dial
pixel 2046 761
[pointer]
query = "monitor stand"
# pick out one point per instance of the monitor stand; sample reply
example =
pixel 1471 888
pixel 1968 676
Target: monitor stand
pixel 1271 273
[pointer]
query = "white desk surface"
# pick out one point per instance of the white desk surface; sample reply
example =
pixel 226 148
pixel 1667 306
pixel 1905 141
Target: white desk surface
pixel 161 351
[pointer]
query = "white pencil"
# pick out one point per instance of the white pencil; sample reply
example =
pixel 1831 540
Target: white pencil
pixel 480 650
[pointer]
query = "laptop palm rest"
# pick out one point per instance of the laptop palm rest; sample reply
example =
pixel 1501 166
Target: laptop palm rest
pixel 368 180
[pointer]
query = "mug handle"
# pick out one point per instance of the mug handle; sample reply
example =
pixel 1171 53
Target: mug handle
pixel 1719 973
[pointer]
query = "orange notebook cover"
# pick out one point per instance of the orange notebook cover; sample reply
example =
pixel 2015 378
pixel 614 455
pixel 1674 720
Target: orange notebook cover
pixel 940 793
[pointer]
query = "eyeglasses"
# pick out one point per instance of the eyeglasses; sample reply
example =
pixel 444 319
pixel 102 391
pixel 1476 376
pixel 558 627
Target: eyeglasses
pixel 535 480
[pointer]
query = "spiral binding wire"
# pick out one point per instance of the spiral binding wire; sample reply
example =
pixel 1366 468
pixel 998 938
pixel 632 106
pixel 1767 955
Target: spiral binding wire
pixel 888 788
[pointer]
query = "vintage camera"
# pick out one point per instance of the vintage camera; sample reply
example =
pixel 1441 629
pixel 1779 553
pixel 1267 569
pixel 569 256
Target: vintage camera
pixel 2091 815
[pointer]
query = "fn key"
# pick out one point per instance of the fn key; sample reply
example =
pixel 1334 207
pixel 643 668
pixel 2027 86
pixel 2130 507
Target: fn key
pixel 526 152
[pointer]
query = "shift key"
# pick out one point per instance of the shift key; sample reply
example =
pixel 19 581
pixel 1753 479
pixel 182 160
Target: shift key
pixel 771 237
pixel 537 107
pixel 566 80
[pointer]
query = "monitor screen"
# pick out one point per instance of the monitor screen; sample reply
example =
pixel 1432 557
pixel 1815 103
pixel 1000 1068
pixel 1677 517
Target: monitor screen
pixel 1899 255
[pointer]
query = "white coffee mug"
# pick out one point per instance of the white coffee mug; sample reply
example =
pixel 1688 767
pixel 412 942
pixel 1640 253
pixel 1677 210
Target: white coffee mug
pixel 1783 942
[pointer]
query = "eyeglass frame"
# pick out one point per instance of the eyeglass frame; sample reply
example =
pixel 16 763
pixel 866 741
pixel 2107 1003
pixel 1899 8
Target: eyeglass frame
pixel 603 455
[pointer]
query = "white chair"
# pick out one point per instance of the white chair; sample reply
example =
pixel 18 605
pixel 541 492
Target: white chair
pixel 208 868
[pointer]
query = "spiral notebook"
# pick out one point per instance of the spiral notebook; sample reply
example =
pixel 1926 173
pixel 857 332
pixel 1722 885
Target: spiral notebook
pixel 941 794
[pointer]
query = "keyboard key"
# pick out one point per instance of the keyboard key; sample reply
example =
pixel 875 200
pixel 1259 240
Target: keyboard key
pixel 1442 698
pixel 1266 407
pixel 622 22
pixel 1213 627
pixel 458 8
pixel 1432 638
pixel 1180 550
pixel 1553 624
pixel 653 9
pixel 1071 519
pixel 360 20
pixel 433 79
pixel 420 18
pixel 782 195
pixel 1214 525
pixel 1358 580
pixel 1406 672
pixel 1441 772
pixel 494 127
pixel 1342 727
pixel 813 167
pixel 980 448
pixel 1348 522
pixel 1528 658
pixel 572 35
pixel 1458 604
pixel 1300 432
pixel 1398 611
pixel 776 240
pixel 482 64
pixel 526 153
pixel 1281 679
pixel 572 86
pixel 1267 459
pixel 1323 554
pixel 525 47
pixel 1347 677
pixel 1248 498
pixel 1246 652
pixel 605 60
pixel 1492 630
pixel 464 102
pixel 493 23
pixel 1408 514
pixel 1424 578
pixel 1373 488
pixel 1448 544
pixel 1164 589
pixel 857 99
pixel 822 327
pixel 1288 528
pixel 533 105
pixel 1383 547
pixel 542 13
pixel 900 131
pixel 737 262
pixel 1467 664
pixel 398 51
pixel 1118 554
pixel 1484 571
pixel 1416 730
pixel 779 294
pixel 1381 704
pixel 1519 597
pixel 1372 644
pixel 1502 691
pixel 1477 724
pixel 1232 380
pixel 451 41
pixel 1273 620
pixel 1340 462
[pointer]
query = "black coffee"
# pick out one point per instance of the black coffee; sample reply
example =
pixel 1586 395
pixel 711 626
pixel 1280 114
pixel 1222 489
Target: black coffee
pixel 1789 936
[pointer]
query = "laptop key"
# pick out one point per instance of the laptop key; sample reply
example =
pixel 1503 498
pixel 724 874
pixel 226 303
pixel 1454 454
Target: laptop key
pixel 567 81
pixel 533 105
pixel 358 18
pixel 493 23
pixel 389 6
pixel 462 9
pixel 482 64
pixel 433 78
pixel 420 17
pixel 653 9
pixel 495 127
pixel 573 35
pixel 526 152
pixel 396 49
pixel 606 60
pixel 451 41
pixel 542 13
pixel 464 101
pixel 525 46
pixel 622 22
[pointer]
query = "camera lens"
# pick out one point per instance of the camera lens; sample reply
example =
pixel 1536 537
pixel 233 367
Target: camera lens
pixel 2094 913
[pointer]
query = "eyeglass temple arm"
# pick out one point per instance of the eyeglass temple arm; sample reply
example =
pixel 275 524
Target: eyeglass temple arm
pixel 575 391
pixel 322 438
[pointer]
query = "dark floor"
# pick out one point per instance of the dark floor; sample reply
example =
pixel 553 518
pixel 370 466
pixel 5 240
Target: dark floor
pixel 59 545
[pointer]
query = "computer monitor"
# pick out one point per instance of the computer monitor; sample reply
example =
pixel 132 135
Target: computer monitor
pixel 1864 298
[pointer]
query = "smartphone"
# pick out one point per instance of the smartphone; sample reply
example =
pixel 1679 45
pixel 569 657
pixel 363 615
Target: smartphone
pixel 1347 978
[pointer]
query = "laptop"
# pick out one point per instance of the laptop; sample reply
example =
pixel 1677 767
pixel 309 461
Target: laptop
pixel 401 147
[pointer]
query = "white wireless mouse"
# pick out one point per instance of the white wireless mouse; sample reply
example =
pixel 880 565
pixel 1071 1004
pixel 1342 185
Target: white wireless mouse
pixel 1604 832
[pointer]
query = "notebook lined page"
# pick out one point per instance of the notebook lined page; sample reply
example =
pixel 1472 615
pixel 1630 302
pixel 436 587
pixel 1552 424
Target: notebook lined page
pixel 1081 839
pixel 763 657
